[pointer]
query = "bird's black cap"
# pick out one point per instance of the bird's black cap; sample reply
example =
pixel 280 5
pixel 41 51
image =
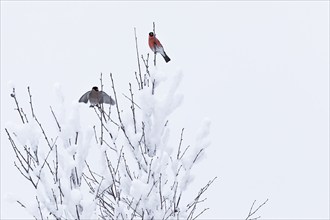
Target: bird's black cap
pixel 95 88
pixel 151 34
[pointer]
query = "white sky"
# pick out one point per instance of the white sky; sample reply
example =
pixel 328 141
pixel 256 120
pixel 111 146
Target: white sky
pixel 258 70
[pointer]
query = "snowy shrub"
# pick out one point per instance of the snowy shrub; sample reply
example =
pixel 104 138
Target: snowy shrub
pixel 124 167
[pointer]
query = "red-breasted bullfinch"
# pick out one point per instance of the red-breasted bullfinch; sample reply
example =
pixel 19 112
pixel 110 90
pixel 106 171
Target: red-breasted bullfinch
pixel 96 97
pixel 156 46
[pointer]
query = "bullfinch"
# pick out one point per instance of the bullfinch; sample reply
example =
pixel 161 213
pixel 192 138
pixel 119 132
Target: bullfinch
pixel 96 97
pixel 156 46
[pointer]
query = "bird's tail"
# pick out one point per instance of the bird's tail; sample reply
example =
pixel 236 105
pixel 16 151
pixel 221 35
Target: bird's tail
pixel 166 58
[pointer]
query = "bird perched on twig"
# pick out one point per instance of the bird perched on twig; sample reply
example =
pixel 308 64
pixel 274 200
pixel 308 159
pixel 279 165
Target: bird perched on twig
pixel 156 46
pixel 96 97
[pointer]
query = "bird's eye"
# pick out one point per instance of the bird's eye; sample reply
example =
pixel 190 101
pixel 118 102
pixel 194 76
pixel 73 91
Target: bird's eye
pixel 151 34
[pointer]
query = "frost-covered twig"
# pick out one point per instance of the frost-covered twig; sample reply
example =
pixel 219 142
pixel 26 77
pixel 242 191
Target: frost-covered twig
pixel 252 212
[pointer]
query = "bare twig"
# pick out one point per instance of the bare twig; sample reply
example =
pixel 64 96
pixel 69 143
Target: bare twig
pixel 137 80
pixel 201 213
pixel 45 161
pixel 118 112
pixel 41 216
pixel 26 119
pixel 21 204
pixel 55 199
pixel 25 175
pixel 199 153
pixel 119 159
pixel 58 125
pixel 13 95
pixel 154 30
pixel 251 212
pixel 146 63
pixel 35 118
pixel 112 175
pixel 101 109
pixel 160 190
pixel 132 107
pixel 103 125
pixel 43 132
pixel 196 201
pixel 76 139
pixel 179 148
pixel 95 134
pixel 149 172
pixel 127 167
pixel 114 149
pixel 135 209
pixel 138 60
pixel 153 87
pixel 22 160
pixel 18 153
pixel 184 151
pixel 131 100
pixel 56 164
pixel 32 111
pixel 77 212
pixel 153 185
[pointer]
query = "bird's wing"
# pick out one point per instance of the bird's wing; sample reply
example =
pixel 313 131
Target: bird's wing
pixel 85 97
pixel 157 43
pixel 105 98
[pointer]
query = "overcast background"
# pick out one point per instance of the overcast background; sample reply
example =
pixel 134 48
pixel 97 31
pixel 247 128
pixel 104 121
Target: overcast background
pixel 258 69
